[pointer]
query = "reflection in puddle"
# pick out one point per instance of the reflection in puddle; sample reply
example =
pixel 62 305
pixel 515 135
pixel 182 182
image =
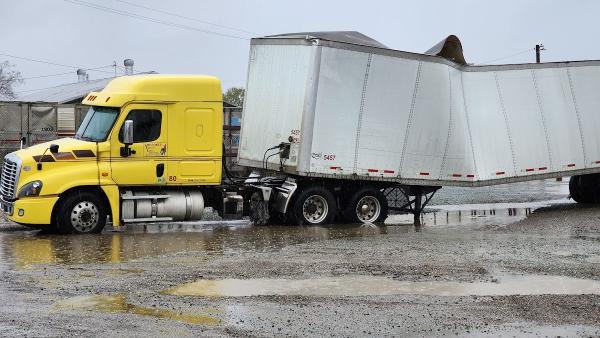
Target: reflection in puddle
pixel 27 250
pixel 474 214
pixel 30 250
pixel 118 304
pixel 376 286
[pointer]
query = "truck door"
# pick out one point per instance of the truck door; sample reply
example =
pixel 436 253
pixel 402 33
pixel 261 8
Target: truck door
pixel 148 160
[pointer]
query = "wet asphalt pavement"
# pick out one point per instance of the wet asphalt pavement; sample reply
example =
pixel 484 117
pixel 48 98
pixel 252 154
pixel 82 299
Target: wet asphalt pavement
pixel 508 261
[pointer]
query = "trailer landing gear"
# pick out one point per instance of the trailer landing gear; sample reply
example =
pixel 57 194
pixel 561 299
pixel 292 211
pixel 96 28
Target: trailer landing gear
pixel 399 199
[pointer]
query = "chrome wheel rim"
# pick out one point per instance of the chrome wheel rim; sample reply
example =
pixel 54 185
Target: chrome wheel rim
pixel 368 209
pixel 84 216
pixel 315 209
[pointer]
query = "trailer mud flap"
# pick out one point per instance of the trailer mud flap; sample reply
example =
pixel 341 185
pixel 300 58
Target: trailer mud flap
pixel 283 196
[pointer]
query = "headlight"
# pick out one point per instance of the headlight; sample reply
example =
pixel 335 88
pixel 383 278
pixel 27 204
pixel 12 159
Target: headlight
pixel 31 189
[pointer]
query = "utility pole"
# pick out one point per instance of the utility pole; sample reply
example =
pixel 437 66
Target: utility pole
pixel 538 48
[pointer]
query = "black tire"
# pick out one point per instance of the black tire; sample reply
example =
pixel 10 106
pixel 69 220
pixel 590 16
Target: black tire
pixel 81 212
pixel 313 200
pixel 574 189
pixel 585 188
pixel 371 198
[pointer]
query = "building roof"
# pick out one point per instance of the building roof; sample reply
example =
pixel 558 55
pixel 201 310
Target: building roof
pixel 352 37
pixel 66 93
pixel 69 92
pixel 75 92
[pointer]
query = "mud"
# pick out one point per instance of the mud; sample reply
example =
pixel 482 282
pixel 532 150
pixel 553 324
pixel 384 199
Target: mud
pixel 499 269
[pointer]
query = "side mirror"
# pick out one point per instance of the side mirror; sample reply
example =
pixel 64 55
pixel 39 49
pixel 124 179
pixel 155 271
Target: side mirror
pixel 127 139
pixel 54 148
pixel 128 132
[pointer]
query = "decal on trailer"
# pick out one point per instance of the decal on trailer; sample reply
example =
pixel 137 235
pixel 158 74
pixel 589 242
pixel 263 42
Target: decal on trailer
pixel 295 136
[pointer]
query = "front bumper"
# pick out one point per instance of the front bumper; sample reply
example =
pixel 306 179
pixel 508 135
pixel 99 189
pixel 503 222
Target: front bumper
pixel 30 210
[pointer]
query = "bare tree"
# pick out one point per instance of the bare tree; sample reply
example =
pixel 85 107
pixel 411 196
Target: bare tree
pixel 8 79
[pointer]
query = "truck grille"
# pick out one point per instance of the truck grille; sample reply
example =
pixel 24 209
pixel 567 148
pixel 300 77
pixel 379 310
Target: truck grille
pixel 8 181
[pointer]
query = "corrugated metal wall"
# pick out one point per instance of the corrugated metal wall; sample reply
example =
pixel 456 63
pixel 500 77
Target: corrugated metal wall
pixel 27 124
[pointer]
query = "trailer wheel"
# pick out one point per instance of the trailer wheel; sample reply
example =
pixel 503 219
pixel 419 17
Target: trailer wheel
pixel 314 206
pixel 585 188
pixel 574 189
pixel 81 212
pixel 367 205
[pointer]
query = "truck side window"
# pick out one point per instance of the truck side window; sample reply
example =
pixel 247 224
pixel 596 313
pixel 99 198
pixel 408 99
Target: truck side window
pixel 146 125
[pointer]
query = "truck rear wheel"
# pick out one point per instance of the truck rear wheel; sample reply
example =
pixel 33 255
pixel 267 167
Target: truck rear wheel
pixel 314 206
pixel 367 205
pixel 81 212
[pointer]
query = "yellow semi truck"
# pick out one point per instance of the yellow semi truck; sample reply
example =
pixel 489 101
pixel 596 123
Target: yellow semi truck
pixel 148 131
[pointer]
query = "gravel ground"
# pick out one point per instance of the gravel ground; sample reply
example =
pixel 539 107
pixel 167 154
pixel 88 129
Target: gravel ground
pixel 450 277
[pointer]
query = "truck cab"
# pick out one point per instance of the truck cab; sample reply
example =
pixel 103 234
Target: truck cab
pixel 149 149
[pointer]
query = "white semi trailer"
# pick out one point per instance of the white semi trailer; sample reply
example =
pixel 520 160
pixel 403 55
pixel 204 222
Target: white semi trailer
pixel 345 119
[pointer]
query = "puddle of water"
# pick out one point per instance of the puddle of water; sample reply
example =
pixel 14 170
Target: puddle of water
pixel 28 250
pixel 475 214
pixel 465 217
pixel 593 259
pixel 562 253
pixel 376 286
pixel 118 304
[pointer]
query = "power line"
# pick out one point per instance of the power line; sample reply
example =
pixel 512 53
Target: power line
pixel 508 56
pixel 47 62
pixel 187 17
pixel 49 75
pixel 59 74
pixel 146 18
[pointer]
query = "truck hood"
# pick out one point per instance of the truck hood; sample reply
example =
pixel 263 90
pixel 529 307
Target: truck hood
pixel 68 149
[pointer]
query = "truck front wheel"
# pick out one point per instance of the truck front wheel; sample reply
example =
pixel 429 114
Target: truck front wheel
pixel 314 205
pixel 81 212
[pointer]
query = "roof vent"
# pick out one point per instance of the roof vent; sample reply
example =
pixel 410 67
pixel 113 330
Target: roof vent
pixel 128 66
pixel 82 75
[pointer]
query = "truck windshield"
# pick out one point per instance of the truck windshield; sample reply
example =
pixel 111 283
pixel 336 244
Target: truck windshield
pixel 97 124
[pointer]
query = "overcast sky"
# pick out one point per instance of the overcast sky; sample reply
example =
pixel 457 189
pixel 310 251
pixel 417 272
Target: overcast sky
pixel 64 32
